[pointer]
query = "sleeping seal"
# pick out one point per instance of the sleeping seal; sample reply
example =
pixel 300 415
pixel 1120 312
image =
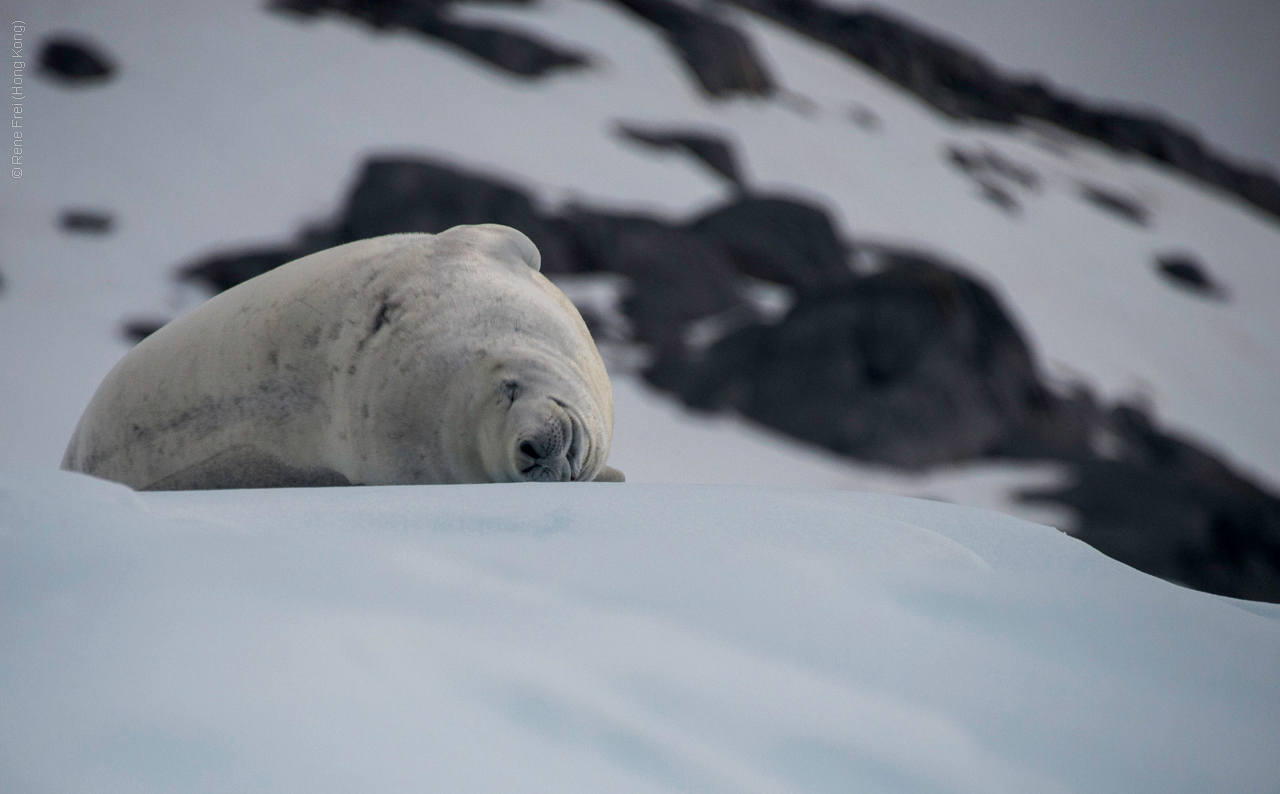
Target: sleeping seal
pixel 409 358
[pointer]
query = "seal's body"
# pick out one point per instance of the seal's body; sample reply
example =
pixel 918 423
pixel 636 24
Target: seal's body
pixel 410 358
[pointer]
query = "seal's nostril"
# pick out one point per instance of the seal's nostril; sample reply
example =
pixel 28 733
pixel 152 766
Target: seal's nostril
pixel 527 449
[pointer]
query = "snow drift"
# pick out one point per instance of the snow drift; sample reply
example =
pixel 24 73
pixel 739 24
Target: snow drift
pixel 604 638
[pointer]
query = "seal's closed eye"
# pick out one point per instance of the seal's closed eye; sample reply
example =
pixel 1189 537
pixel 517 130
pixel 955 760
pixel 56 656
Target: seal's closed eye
pixel 511 390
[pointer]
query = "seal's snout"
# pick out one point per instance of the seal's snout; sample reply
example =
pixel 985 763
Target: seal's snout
pixel 543 460
pixel 555 452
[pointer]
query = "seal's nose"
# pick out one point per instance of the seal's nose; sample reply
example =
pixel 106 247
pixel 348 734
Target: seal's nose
pixel 543 463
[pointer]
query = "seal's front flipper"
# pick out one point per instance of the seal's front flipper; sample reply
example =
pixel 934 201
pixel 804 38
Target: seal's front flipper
pixel 610 474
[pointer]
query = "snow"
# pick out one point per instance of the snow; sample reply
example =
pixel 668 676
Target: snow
pixel 603 638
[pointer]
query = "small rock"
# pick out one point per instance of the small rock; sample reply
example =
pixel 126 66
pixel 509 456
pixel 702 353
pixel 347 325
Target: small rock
pixel 86 221
pixel 865 118
pixel 1186 272
pixel 1124 207
pixel 75 61
pixel 713 151
pixel 138 329
pixel 1000 197
pixel 224 271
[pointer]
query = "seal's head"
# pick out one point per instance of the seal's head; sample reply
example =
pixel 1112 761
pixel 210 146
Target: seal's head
pixel 534 425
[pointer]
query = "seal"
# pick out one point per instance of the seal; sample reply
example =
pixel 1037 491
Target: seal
pixel 409 358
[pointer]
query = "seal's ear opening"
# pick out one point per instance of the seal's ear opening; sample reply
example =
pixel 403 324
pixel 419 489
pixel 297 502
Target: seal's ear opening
pixel 610 474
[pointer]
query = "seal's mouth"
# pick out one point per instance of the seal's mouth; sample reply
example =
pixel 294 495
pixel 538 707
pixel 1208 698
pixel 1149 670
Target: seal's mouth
pixel 557 451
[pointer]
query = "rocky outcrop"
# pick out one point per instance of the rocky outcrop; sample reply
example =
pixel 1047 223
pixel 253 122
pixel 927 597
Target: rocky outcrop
pixel 713 151
pixel 911 366
pixel 963 85
pixel 724 63
pixel 1164 506
pixel 720 58
pixel 779 240
pixel 513 52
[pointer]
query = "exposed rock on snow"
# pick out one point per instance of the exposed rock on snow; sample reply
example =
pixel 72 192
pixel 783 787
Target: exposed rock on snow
pixel 1126 208
pixel 1171 510
pixel 912 366
pixel 720 57
pixel 952 79
pixel 997 177
pixel 963 85
pixel 677 277
pixel 712 150
pixel 136 330
pixel 400 195
pixel 72 60
pixel 779 240
pixel 514 52
pixel 86 221
pixel 1187 272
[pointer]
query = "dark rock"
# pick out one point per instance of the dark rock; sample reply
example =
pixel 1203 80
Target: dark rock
pixel 416 195
pixel 963 85
pixel 136 330
pixel 677 276
pixel 1186 272
pixel 86 221
pixel 75 61
pixel 912 366
pixel 509 50
pixel 714 152
pixel 865 118
pixel 720 57
pixel 999 197
pixel 224 271
pixel 396 195
pixel 1123 207
pixel 1169 509
pixel 987 162
pixel 995 175
pixel 780 240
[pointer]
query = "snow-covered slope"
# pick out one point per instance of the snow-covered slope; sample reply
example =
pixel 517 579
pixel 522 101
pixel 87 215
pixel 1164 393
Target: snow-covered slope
pixel 603 638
